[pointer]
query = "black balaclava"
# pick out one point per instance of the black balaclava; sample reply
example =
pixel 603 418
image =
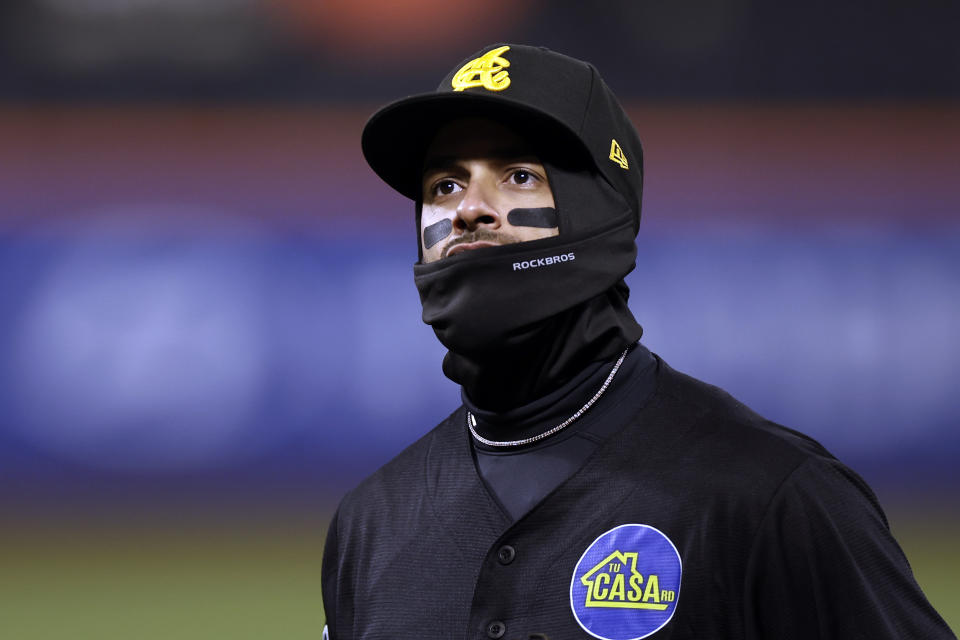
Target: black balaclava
pixel 520 320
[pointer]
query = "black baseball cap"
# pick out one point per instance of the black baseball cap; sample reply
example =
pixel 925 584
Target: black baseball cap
pixel 511 83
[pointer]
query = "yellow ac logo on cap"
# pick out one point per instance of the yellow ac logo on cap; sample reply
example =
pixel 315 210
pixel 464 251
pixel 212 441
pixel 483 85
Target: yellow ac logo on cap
pixel 488 71
pixel 616 154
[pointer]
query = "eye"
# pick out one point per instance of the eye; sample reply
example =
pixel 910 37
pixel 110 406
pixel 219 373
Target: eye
pixel 445 187
pixel 522 176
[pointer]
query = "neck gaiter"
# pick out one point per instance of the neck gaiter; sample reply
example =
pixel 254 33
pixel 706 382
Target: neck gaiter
pixel 521 319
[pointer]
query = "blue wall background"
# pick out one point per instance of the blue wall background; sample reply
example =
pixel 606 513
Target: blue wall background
pixel 230 290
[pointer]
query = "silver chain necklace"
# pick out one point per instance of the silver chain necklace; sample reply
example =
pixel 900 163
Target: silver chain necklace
pixel 472 421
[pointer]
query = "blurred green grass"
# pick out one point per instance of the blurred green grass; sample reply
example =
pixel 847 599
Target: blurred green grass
pixel 931 545
pixel 256 578
pixel 110 584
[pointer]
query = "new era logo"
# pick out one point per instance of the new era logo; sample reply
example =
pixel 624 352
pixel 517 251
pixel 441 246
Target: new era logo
pixel 616 154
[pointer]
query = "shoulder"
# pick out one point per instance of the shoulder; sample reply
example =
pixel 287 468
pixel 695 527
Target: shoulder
pixel 721 414
pixel 728 443
pixel 824 545
pixel 776 479
pixel 398 479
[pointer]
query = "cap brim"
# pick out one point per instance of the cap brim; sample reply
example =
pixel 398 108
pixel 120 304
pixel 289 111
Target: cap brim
pixel 395 139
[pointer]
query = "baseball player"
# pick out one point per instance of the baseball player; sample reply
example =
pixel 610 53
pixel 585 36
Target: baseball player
pixel 584 488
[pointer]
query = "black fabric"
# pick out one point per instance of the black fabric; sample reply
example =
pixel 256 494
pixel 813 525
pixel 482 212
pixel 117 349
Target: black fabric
pixel 537 359
pixel 778 540
pixel 793 548
pixel 329 580
pixel 476 300
pixel 520 477
pixel 521 320
pixel 562 98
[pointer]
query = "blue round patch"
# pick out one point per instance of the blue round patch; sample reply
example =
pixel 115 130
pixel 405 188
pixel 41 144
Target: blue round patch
pixel 626 584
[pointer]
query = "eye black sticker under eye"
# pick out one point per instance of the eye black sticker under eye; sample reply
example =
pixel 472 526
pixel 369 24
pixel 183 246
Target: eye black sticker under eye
pixel 436 232
pixel 543 218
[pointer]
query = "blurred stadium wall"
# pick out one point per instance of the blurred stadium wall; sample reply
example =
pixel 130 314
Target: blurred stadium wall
pixel 209 324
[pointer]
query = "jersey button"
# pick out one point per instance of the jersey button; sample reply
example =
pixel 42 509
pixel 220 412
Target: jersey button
pixel 506 554
pixel 496 629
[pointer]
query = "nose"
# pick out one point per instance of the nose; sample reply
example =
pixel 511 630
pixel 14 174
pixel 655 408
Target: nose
pixel 476 209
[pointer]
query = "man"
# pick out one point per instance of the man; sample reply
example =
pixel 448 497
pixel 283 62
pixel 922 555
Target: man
pixel 584 489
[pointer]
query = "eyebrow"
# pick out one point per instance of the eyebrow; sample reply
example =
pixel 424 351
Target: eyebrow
pixel 507 153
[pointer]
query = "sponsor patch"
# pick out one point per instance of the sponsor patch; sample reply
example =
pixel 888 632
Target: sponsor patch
pixel 626 584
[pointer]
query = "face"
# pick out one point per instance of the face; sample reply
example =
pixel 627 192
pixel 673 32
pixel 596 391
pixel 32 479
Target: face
pixel 482 187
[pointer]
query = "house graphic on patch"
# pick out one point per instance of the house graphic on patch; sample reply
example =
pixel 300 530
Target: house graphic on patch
pixel 615 582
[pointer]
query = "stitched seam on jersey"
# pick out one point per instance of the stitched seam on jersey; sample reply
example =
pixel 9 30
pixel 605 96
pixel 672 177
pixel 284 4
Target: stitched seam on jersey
pixel 756 534
pixel 699 406
pixel 586 435
pixel 460 415
pixel 601 442
pixel 336 523
pixel 437 515
pixel 493 495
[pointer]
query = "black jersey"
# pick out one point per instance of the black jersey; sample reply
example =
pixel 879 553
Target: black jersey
pixel 519 477
pixel 696 519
